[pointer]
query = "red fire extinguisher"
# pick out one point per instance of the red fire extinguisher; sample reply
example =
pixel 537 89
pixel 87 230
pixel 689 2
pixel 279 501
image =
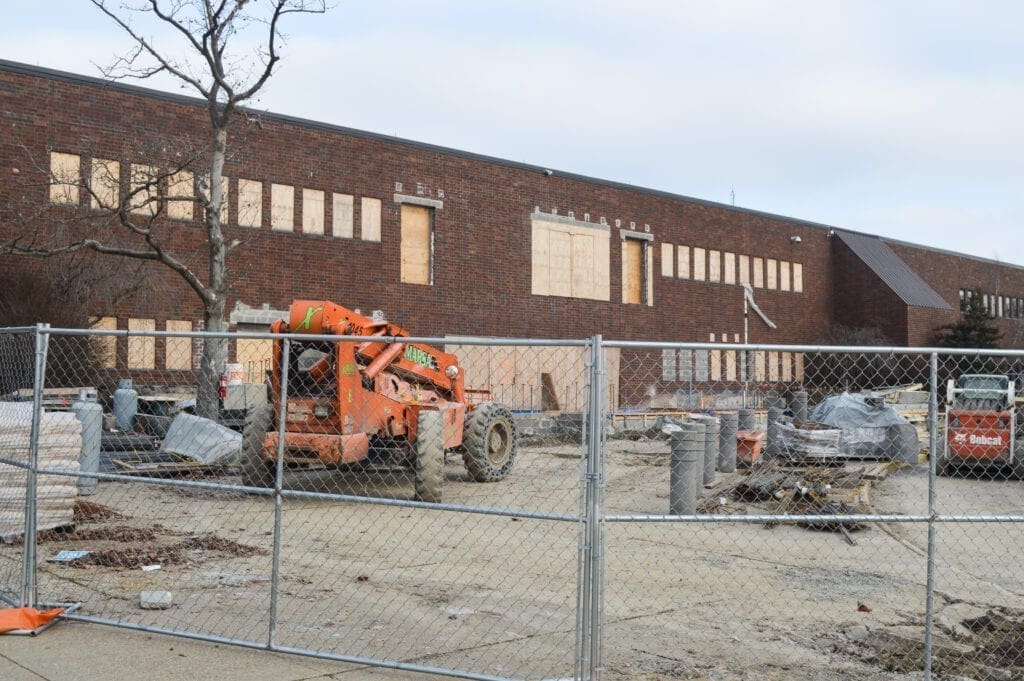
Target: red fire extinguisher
pixel 222 386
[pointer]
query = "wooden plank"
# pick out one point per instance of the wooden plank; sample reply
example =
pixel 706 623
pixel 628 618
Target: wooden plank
pixel 582 266
pixel 342 214
pixel 370 217
pixel 631 279
pixel 416 248
pixel 560 263
pixel 282 207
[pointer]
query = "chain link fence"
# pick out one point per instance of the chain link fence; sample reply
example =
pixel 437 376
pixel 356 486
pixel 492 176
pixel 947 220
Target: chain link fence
pixel 491 508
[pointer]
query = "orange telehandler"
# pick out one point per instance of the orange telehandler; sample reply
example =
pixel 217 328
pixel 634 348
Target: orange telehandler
pixel 379 400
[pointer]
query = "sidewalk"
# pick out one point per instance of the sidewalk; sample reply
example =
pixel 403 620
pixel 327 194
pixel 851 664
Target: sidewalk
pixel 76 651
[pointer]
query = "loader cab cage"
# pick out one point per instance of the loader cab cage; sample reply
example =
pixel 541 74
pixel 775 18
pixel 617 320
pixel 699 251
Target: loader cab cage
pixel 312 369
pixel 981 392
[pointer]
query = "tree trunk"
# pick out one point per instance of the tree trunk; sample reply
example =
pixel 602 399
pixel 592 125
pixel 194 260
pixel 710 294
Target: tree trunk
pixel 215 350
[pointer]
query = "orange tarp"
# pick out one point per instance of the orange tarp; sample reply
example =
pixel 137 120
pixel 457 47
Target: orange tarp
pixel 26 619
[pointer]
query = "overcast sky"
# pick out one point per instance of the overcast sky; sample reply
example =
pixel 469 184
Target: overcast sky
pixel 904 119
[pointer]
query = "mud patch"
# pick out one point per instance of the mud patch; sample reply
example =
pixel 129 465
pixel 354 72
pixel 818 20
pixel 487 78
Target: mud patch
pixel 87 512
pixel 180 553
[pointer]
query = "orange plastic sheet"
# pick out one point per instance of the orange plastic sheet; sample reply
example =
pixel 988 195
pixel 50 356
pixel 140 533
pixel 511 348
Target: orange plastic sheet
pixel 25 619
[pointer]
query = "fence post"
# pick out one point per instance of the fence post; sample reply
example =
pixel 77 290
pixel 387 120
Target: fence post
pixel 596 479
pixel 29 586
pixel 933 444
pixel 275 569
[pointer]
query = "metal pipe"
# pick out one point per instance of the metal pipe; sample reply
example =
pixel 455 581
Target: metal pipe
pixel 275 565
pixel 769 518
pixel 29 585
pixel 933 427
pixel 383 359
pixel 597 550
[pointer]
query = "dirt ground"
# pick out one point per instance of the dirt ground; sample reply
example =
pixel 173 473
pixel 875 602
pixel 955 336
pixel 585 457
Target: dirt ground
pixel 497 594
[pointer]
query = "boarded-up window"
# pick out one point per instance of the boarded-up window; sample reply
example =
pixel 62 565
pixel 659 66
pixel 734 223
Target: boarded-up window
pixel 686 365
pixel 341 220
pixel 105 347
pixel 570 259
pixel 65 175
pixel 668 257
pixel 784 275
pixel 668 364
pixel 632 271
pixel 759 366
pixel 772 273
pixel 370 223
pixel 250 203
pixel 105 183
pixel 255 357
pixel 178 350
pixel 700 367
pixel 758 272
pixel 729 269
pixel 312 211
pixel 714 266
pixel 716 361
pixel 787 366
pixel 141 349
pixel 180 195
pixel 798 370
pixel 798 277
pixel 744 269
pixel 684 262
pixel 282 207
pixel 699 264
pixel 417 248
pixel 773 366
pixel 730 365
pixel 145 192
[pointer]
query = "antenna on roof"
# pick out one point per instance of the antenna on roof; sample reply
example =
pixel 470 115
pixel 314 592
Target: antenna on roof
pixel 732 196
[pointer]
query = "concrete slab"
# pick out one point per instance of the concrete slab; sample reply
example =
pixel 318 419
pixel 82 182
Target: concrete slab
pixel 75 651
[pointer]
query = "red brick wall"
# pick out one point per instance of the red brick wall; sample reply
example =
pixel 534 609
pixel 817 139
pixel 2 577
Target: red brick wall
pixel 862 300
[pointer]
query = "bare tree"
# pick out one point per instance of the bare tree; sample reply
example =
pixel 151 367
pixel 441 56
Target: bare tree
pixel 207 45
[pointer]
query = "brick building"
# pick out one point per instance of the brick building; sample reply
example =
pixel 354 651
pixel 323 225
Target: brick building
pixel 453 243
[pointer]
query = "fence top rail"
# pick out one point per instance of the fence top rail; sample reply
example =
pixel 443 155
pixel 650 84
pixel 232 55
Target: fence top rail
pixel 807 349
pixel 305 337
pixel 17 329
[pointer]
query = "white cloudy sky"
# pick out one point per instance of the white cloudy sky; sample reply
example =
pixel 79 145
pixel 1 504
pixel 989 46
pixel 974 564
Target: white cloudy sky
pixel 897 118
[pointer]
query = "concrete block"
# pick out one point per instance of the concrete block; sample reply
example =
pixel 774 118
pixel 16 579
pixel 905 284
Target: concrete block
pixel 155 600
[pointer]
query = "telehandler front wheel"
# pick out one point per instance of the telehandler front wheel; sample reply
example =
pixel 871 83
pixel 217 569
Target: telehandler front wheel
pixel 256 471
pixel 429 464
pixel 489 442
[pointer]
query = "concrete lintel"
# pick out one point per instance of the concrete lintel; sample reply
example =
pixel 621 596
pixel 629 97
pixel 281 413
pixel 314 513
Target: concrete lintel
pixel 259 316
pixel 566 220
pixel 630 234
pixel 419 201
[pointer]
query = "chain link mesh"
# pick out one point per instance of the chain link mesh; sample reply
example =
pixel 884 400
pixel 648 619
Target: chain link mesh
pixel 752 513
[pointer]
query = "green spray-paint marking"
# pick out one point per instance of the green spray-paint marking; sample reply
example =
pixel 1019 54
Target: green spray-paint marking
pixel 308 321
pixel 421 357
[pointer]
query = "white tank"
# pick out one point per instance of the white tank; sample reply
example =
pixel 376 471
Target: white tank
pixel 90 414
pixel 126 405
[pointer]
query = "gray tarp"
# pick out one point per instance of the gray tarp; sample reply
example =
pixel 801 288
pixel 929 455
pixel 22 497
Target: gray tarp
pixel 871 428
pixel 201 439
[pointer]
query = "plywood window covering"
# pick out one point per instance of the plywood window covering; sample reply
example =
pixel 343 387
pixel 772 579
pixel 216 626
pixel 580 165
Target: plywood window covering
pixel 180 194
pixel 255 357
pixel 773 366
pixel 65 174
pixel 141 349
pixel 144 189
pixel 699 264
pixel 106 346
pixel 784 280
pixel 250 203
pixel 714 266
pixel 370 222
pixel 759 366
pixel 282 207
pixel 798 369
pixel 700 369
pixel 178 351
pixel 787 366
pixel 730 268
pixel 684 262
pixel 417 247
pixel 105 184
pixel 668 257
pixel 570 259
pixel 798 277
pixel 758 272
pixel 772 278
pixel 716 361
pixel 744 269
pixel 342 215
pixel 632 272
pixel 312 211
pixel 730 365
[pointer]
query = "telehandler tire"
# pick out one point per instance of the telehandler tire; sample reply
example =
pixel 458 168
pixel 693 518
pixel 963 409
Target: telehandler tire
pixel 256 472
pixel 429 464
pixel 489 442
